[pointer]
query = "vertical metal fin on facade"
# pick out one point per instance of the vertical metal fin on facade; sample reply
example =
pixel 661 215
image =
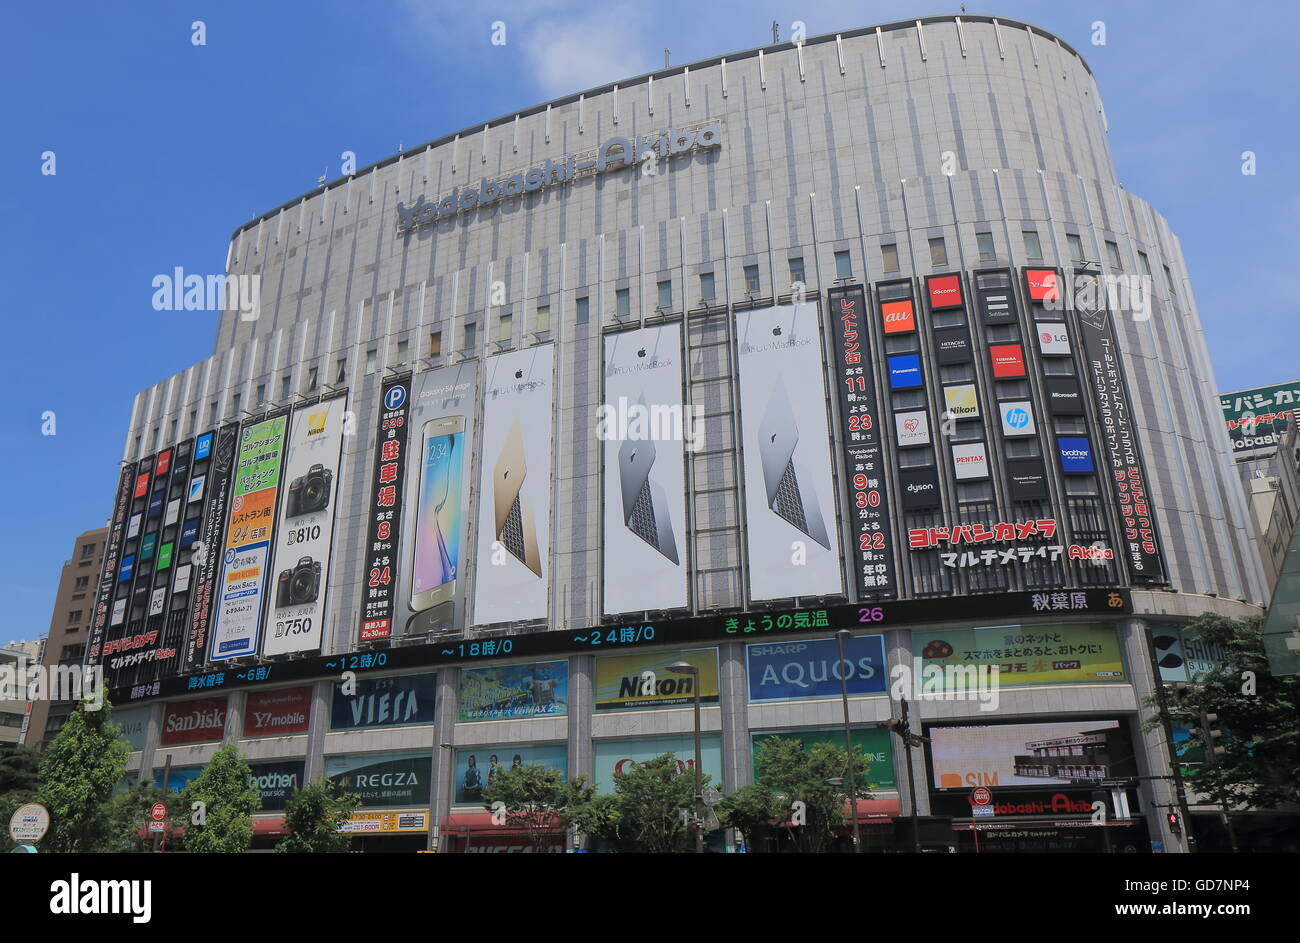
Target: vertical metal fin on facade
pixel 762 72
pixel 613 111
pixel 997 33
pixel 920 38
pixel 880 46
pixel 723 67
pixel 839 51
pixel 1029 34
pixel 686 85
pixel 798 50
pixel 961 37
pixel 582 107
pixel 650 95
pixel 548 124
pixel 515 145
pixel 483 159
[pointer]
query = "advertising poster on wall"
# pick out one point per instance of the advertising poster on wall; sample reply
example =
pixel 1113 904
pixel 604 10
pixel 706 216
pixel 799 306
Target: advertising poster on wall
pixel 242 587
pixel 384 511
pixel 1120 452
pixel 789 503
pixel 640 681
pixel 872 742
pixel 643 428
pixel 1182 655
pixel 944 291
pixel 864 473
pixel 1075 752
pixel 478 767
pixel 623 756
pixel 134 724
pixel 383 779
pixel 208 563
pixel 194 721
pixel 919 488
pixel 276 782
pixel 395 701
pixel 503 692
pixel 304 536
pixel 1258 418
pixel 798 669
pixel 1026 654
pixel 514 540
pixel 109 567
pixel 178 777
pixel 281 713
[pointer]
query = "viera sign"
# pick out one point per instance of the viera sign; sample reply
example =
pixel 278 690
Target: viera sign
pixel 614 154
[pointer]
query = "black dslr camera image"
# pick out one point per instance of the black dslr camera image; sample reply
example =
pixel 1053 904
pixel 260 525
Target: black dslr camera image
pixel 298 585
pixel 310 492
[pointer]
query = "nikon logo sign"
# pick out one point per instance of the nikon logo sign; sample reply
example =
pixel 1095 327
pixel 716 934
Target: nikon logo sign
pixel 614 154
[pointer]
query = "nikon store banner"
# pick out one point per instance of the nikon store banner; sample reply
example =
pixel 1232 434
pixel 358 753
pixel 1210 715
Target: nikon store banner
pixel 1026 654
pixel 637 682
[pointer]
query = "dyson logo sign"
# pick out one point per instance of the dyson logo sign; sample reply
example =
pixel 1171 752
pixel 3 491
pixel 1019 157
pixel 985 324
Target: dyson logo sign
pixel 614 154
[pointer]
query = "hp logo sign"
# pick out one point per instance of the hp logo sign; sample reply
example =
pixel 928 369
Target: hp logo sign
pixel 1017 418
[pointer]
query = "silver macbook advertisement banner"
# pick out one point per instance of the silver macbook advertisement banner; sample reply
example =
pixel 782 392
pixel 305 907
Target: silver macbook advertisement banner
pixel 511 569
pixel 643 427
pixel 789 502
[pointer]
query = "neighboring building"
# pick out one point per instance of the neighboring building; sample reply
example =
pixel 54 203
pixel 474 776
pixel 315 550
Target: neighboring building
pixel 15 659
pixel 69 624
pixel 846 258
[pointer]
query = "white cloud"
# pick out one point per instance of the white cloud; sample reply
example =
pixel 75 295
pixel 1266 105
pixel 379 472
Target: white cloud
pixel 569 54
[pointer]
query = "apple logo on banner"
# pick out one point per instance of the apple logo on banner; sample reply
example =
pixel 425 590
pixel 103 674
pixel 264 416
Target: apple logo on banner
pixel 641 352
pixel 776 331
pixel 519 374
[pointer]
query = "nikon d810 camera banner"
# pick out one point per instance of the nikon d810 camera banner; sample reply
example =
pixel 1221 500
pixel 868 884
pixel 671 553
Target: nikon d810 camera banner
pixel 305 528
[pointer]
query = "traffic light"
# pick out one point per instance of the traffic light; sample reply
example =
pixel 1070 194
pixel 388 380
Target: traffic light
pixel 1175 823
pixel 1209 735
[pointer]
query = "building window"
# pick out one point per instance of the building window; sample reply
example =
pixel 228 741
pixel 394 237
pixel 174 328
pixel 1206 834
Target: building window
pixel 843 264
pixel 583 308
pixel 403 349
pixel 623 303
pixel 938 252
pixel 371 355
pixel 665 295
pixel 74 617
pixel 236 402
pixel 706 286
pixel 505 328
pixel 286 386
pixel 471 336
pixel 751 279
pixel 1169 279
pixel 984 242
pixel 797 272
pixel 172 435
pixel 435 344
pixel 261 393
pixel 1146 264
pixel 341 374
pixel 82 581
pixel 889 254
pixel 1033 249
pixel 1074 243
pixel 312 373
pixel 543 319
pixel 1112 254
pixel 194 421
pixel 87 550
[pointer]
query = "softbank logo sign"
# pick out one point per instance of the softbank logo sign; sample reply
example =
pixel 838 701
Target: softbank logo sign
pixel 613 154
pixel 75 896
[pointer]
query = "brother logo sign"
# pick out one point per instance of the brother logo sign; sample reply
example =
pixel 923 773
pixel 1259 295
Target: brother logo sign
pixel 615 153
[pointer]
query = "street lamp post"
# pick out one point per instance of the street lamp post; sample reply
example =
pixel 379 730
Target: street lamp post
pixel 840 637
pixel 684 668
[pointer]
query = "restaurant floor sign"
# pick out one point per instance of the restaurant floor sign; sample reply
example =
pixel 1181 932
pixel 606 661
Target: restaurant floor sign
pixel 387 823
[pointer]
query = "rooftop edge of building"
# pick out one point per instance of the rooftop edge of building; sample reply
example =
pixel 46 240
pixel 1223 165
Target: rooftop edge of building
pixel 659 74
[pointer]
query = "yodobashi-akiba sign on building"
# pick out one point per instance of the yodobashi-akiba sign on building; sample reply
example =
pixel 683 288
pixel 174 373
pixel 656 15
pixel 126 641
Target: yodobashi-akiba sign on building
pixel 614 154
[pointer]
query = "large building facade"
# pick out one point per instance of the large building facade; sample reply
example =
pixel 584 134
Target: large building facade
pixel 706 365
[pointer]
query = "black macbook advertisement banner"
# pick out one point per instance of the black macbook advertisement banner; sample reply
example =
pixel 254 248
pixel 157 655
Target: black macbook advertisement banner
pixel 864 470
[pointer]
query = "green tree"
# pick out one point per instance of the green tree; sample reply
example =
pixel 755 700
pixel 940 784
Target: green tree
pixel 223 823
pixel 313 816
pixel 533 797
pixel 799 774
pixel 79 771
pixel 19 768
pixel 129 813
pixel 753 810
pixel 644 813
pixel 1260 766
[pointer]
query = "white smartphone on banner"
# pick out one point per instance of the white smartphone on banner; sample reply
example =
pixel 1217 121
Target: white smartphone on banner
pixel 438 514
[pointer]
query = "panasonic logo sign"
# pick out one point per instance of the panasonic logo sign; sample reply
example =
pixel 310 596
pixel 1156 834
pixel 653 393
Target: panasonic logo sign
pixel 613 154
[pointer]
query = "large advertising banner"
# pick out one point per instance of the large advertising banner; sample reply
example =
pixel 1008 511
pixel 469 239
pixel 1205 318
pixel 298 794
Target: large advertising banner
pixel 1182 655
pixel 514 530
pixel 865 474
pixel 1026 654
pixel 108 571
pixel 387 489
pixel 644 428
pixel 790 514
pixel 640 681
pixel 623 756
pixel 512 692
pixel 478 767
pixel 205 536
pixel 248 538
pixel 194 721
pixel 384 702
pixel 794 670
pixel 304 536
pixel 134 725
pixel 1076 752
pixel 434 505
pixel 872 741
pixel 279 713
pixel 1258 418
pixel 383 779
pixel 1124 465
pixel 276 782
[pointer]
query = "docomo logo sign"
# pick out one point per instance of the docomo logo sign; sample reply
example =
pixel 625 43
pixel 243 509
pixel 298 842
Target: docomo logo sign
pixel 613 154
pixel 945 292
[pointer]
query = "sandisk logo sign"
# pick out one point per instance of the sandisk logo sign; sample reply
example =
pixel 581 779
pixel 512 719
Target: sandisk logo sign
pixel 898 317
pixel 945 292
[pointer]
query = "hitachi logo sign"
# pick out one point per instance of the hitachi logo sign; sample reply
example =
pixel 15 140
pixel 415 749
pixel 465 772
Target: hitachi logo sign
pixel 615 153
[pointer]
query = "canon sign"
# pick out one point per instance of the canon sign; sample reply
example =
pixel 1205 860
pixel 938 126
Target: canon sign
pixel 614 153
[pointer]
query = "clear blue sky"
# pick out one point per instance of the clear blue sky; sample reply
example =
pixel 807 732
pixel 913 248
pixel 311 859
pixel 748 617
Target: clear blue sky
pixel 163 148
